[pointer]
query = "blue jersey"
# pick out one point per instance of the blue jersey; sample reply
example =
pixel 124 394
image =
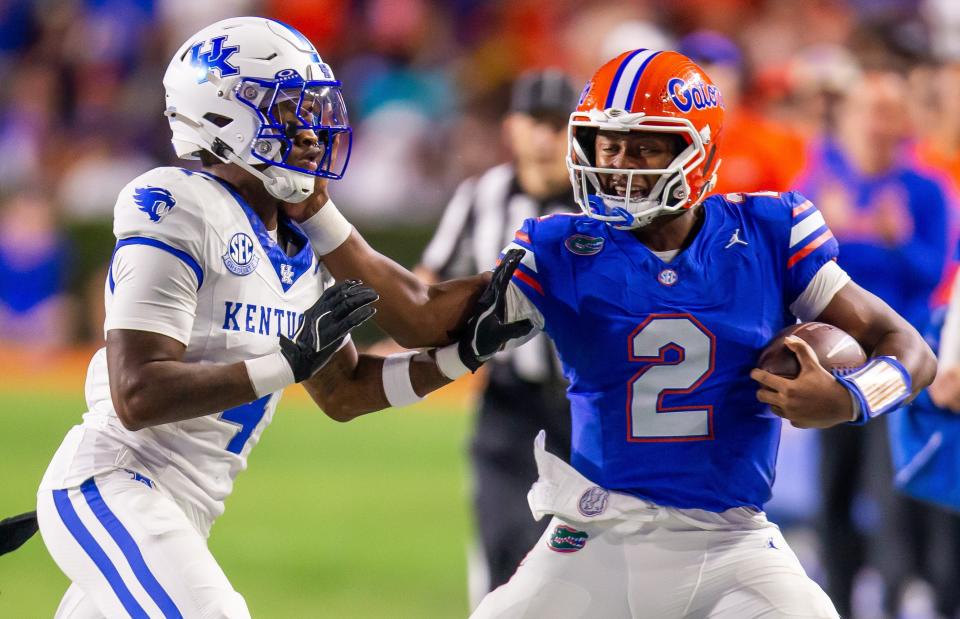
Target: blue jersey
pixel 925 441
pixel 658 354
pixel 909 268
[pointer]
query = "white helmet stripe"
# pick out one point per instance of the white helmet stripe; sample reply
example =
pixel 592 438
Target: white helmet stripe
pixel 625 83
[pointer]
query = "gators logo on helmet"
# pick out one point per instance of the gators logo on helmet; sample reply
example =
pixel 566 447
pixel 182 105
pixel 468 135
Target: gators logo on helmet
pixel 650 91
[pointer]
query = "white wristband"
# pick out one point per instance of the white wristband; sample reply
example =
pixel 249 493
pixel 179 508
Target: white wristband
pixel 269 373
pixel 880 386
pixel 449 363
pixel 327 229
pixel 396 380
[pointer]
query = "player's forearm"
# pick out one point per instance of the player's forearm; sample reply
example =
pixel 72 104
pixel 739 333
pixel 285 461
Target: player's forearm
pixel 912 352
pixel 167 391
pixel 414 314
pixel 345 392
pixel 887 334
pixel 882 332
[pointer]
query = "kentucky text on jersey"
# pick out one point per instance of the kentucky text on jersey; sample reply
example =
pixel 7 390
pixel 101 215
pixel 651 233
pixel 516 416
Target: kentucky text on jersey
pixel 260 319
pixel 661 399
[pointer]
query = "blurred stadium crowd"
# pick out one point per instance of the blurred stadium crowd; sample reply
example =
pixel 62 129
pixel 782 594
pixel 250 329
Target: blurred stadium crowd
pixel 855 102
pixel 425 83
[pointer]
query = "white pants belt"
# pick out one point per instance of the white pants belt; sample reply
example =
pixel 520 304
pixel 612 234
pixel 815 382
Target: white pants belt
pixel 562 491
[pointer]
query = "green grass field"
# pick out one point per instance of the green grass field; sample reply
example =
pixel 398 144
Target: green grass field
pixel 366 519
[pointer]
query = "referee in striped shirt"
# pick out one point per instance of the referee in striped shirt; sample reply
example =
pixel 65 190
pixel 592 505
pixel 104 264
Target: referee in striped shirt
pixel 525 390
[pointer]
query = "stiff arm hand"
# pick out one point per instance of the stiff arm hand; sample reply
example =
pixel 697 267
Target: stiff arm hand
pixel 487 330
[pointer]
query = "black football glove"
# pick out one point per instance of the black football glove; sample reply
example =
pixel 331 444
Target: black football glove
pixel 17 530
pixel 487 330
pixel 338 311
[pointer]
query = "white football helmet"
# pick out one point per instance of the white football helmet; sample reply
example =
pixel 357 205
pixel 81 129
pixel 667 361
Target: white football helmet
pixel 243 89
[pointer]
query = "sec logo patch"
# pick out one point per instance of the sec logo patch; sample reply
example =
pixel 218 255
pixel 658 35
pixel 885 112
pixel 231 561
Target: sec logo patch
pixel 667 277
pixel 241 257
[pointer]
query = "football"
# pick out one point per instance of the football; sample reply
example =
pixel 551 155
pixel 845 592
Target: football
pixel 836 350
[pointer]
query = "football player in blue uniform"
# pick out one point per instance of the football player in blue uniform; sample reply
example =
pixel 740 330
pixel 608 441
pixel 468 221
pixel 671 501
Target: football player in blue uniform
pixel 659 300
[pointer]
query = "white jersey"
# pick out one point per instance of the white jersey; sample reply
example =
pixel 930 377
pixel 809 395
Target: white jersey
pixel 193 262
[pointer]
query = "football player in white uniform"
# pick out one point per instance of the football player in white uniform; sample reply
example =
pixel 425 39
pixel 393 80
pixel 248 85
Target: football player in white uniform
pixel 215 302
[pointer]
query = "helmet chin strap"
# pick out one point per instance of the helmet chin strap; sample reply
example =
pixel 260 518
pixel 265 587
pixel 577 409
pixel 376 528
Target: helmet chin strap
pixel 282 183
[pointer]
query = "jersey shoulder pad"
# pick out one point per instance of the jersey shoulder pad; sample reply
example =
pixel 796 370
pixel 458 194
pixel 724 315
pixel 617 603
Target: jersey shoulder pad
pixel 551 242
pixel 550 229
pixel 163 204
pixel 773 206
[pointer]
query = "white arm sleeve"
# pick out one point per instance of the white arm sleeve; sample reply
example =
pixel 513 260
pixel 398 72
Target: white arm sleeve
pixel 518 308
pixel 154 291
pixel 820 291
pixel 950 336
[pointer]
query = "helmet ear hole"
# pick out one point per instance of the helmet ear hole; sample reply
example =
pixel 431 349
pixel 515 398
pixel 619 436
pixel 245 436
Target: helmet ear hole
pixel 675 194
pixel 218 119
pixel 679 144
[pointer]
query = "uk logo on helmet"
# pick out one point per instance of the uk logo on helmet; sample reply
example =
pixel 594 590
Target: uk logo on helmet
pixel 213 60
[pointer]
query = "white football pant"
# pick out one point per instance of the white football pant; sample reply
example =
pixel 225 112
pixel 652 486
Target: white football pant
pixel 132 552
pixel 615 556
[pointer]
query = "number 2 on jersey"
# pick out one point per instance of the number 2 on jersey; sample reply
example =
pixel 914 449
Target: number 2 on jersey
pixel 679 353
pixel 247 416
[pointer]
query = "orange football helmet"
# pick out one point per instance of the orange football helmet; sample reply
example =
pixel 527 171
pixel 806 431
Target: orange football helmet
pixel 650 91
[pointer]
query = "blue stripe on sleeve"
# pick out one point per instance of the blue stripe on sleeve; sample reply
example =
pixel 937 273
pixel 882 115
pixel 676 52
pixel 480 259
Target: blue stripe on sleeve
pixel 522 244
pixel 800 217
pixel 80 533
pixel 528 272
pixel 810 238
pixel 129 548
pixel 179 253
